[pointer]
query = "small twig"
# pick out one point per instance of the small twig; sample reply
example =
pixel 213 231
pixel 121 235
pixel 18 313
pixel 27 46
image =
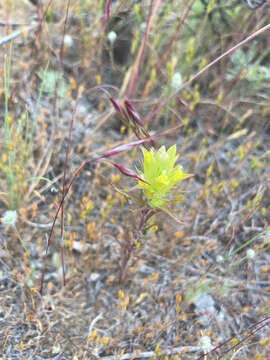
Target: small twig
pixel 93 322
pixel 13 23
pixel 16 34
pixel 49 225
pixel 37 225
pixel 150 354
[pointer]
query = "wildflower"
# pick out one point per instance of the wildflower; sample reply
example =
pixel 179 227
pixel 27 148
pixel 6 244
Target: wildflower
pixel 112 36
pixel 219 259
pixel 205 344
pixel 68 41
pixel 9 218
pixel 250 254
pixel 143 26
pixel 176 81
pixel 160 174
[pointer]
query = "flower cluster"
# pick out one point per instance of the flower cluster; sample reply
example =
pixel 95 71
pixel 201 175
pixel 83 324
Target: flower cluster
pixel 160 174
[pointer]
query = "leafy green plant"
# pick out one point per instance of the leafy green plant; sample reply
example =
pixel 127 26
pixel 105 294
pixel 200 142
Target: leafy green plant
pixel 244 62
pixel 53 81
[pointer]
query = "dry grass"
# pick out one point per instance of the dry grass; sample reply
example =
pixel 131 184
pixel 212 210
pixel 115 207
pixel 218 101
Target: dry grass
pixel 176 287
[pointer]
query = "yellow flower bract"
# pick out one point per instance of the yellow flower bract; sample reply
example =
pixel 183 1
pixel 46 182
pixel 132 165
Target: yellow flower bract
pixel 160 174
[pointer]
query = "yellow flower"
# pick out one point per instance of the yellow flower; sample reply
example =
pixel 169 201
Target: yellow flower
pixel 160 174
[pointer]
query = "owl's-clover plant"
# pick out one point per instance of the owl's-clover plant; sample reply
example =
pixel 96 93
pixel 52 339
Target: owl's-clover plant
pixel 160 174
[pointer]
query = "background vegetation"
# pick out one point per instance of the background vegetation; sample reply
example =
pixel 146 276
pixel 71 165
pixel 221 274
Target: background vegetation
pixel 197 280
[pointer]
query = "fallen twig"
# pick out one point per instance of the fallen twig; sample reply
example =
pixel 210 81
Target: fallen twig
pixel 149 354
pixel 16 34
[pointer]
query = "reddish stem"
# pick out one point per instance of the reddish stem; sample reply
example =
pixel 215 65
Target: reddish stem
pixel 135 74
